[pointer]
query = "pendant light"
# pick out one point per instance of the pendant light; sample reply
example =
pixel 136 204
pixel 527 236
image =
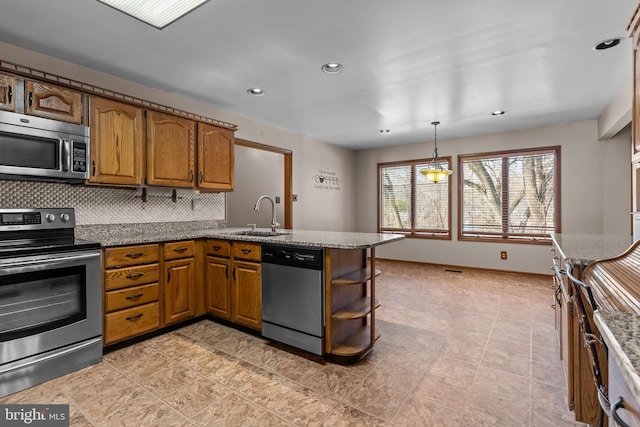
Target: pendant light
pixel 435 172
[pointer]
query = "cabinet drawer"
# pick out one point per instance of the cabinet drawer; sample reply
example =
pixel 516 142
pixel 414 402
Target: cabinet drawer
pixel 130 297
pixel 131 276
pixel 248 251
pixel 175 250
pixel 220 248
pixel 132 321
pixel 131 255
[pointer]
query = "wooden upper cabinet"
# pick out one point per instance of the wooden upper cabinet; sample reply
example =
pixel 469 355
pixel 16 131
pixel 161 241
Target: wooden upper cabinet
pixel 7 92
pixel 215 157
pixel 170 150
pixel 52 102
pixel 116 142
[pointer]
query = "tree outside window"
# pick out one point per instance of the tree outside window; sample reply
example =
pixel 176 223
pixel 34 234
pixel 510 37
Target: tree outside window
pixel 410 204
pixel 510 196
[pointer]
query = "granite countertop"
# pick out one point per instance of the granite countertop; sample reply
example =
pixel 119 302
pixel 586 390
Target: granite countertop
pixel 130 234
pixel 621 333
pixel 587 248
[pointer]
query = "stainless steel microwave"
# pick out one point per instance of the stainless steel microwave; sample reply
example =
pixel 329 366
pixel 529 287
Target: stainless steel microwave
pixel 42 149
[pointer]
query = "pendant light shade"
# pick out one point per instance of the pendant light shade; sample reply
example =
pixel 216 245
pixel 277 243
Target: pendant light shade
pixel 435 172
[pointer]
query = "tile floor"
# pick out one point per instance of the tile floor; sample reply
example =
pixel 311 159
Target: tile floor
pixel 475 348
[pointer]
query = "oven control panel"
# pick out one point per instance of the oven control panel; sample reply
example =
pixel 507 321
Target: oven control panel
pixel 36 219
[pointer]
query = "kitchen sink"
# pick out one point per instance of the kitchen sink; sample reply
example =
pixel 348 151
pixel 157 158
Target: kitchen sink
pixel 258 233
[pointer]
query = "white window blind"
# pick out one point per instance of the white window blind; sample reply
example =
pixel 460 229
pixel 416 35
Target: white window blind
pixel 411 204
pixel 510 195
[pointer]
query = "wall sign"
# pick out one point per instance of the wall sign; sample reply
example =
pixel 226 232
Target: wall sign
pixel 326 179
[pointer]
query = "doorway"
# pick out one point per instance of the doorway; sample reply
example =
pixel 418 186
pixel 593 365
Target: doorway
pixel 260 169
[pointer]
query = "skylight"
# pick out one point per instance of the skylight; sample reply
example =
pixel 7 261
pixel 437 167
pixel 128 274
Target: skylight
pixel 157 13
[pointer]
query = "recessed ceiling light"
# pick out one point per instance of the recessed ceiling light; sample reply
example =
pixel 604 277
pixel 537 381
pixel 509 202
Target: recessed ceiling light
pixel 497 113
pixel 332 68
pixel 607 44
pixel 255 91
pixel 157 13
pixel 384 131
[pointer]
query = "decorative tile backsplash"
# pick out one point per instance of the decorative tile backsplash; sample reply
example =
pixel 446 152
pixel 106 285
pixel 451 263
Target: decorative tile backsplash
pixel 101 205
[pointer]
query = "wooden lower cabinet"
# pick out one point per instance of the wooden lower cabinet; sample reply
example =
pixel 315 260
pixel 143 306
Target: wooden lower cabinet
pixel 218 277
pixel 246 294
pixel 234 282
pixel 179 290
pixel 128 323
pixel 132 291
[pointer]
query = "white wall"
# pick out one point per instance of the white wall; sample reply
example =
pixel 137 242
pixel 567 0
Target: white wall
pixel 315 209
pixel 595 189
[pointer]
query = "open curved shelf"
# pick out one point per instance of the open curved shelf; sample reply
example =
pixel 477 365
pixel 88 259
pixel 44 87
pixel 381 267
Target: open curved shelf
pixel 355 278
pixel 356 344
pixel 356 310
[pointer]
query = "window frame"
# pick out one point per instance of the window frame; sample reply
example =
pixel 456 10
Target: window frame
pixel 506 237
pixel 414 232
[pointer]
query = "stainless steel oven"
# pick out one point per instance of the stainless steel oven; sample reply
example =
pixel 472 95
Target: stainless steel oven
pixel 50 298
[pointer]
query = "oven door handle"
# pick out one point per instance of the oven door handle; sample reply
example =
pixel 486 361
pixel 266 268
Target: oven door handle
pixel 42 264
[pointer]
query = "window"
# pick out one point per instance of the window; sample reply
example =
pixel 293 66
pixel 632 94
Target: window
pixel 410 204
pixel 510 196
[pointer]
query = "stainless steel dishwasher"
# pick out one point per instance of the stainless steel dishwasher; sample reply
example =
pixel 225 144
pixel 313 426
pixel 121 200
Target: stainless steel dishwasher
pixel 293 296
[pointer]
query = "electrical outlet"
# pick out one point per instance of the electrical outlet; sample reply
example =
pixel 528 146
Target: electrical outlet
pixel 503 254
pixel 196 204
pixel 294 197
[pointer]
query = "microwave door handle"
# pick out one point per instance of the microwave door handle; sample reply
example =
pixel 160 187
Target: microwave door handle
pixel 65 147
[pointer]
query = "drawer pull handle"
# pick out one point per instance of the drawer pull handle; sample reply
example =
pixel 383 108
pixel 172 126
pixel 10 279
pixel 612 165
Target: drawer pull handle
pixel 135 255
pixel 10 94
pixel 553 306
pixel 30 99
pixel 216 248
pixel 246 251
pixel 132 297
pixel 168 275
pixel 614 412
pixel 180 250
pixel 135 276
pixel 136 317
pixel 226 271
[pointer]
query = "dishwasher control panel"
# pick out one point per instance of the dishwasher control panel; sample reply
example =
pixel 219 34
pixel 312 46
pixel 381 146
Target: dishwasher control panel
pixel 297 256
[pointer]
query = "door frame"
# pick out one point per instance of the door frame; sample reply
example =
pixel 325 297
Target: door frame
pixel 288 175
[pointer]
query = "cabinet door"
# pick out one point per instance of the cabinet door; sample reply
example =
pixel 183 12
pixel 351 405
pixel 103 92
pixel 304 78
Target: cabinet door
pixel 246 294
pixel 179 290
pixel 170 150
pixel 218 276
pixel 116 142
pixel 53 102
pixel 215 157
pixel 7 92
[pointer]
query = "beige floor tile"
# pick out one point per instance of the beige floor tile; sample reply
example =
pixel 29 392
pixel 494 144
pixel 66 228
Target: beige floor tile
pixel 499 383
pixel 500 359
pixel 267 389
pixel 231 411
pixel 270 419
pixel 305 407
pixel 419 413
pixel 440 390
pixel 169 380
pixel 499 411
pixel 193 398
pixel 345 416
pixel 453 370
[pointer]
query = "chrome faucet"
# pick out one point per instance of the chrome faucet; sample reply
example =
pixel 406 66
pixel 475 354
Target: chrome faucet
pixel 274 223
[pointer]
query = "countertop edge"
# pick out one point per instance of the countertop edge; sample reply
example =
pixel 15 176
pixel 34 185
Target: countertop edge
pixel 310 238
pixel 628 370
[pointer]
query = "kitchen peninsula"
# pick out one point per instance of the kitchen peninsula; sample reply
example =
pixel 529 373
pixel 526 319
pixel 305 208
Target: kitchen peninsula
pixel 160 274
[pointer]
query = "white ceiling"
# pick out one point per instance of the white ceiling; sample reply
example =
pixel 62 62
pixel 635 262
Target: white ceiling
pixel 406 62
